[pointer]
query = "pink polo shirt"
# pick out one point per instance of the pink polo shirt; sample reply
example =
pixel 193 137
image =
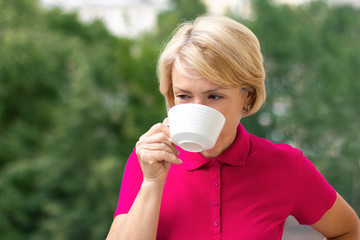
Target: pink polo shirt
pixel 245 193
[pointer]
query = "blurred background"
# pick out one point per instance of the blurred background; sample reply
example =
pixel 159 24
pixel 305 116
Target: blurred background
pixel 78 87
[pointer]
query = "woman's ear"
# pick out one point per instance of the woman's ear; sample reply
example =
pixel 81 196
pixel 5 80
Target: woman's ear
pixel 250 96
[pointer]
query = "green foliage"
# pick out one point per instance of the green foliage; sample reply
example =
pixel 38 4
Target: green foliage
pixel 188 9
pixel 74 100
pixel 146 104
pixel 312 58
pixel 182 10
pixel 62 106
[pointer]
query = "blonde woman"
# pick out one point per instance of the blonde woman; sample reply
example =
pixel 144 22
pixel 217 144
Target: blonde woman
pixel 243 188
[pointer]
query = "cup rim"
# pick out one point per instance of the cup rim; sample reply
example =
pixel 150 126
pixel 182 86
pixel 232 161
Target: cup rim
pixel 189 105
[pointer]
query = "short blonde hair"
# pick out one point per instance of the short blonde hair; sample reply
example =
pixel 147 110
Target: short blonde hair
pixel 221 50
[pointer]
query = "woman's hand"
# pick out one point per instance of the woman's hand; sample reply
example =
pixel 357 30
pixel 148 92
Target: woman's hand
pixel 156 152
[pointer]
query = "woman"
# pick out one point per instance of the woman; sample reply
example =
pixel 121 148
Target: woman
pixel 243 188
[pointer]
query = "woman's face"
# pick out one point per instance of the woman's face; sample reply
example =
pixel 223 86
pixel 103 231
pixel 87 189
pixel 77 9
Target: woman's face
pixel 229 101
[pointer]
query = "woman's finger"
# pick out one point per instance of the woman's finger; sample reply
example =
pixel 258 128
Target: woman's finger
pixel 160 139
pixel 154 156
pixel 162 146
pixel 159 127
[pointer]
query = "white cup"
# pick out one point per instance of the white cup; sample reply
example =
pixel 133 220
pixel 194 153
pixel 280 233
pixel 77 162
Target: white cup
pixel 195 127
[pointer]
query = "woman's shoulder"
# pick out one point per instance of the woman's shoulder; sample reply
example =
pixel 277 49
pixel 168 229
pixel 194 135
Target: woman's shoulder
pixel 270 149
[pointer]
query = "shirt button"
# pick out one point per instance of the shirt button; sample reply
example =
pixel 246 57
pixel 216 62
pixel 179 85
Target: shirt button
pixel 216 223
pixel 217 164
pixel 216 203
pixel 216 183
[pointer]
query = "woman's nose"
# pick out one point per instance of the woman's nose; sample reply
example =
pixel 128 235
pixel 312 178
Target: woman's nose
pixel 199 101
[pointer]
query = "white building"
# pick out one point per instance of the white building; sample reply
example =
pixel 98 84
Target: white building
pixel 126 18
pixel 129 18
pixel 355 3
pixel 241 7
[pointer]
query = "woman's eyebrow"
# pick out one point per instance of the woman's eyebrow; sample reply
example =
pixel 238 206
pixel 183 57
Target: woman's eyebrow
pixel 212 90
pixel 205 92
pixel 181 90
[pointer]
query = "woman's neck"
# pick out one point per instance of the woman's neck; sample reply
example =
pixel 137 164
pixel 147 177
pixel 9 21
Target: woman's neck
pixel 223 143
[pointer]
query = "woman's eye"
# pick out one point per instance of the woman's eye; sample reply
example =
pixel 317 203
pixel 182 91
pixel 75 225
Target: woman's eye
pixel 182 96
pixel 215 97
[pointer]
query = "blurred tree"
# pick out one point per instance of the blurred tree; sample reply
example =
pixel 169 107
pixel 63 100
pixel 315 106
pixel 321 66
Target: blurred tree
pixel 73 102
pixel 63 99
pixel 312 58
pixel 146 104
pixel 181 10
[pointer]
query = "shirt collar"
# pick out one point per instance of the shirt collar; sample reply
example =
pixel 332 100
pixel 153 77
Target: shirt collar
pixel 235 155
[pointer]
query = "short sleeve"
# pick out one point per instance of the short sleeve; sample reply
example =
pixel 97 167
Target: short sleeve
pixel 314 196
pixel 130 185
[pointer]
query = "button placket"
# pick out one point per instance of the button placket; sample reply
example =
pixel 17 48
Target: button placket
pixel 216 203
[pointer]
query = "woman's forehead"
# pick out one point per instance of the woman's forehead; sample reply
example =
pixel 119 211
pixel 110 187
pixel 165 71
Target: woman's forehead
pixel 190 78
